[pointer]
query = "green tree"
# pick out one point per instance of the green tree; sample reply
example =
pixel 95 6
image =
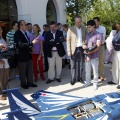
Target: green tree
pixel 107 10
pixel 83 6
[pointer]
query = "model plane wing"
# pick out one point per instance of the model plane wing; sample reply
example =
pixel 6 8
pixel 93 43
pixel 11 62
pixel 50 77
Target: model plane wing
pixel 47 100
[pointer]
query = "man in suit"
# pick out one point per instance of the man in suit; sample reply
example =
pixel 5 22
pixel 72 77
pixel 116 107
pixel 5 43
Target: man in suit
pixel 46 29
pixel 75 44
pixel 55 52
pixel 24 56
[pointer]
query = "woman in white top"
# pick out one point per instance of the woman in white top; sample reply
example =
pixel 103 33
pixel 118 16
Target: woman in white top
pixel 4 69
pixel 109 46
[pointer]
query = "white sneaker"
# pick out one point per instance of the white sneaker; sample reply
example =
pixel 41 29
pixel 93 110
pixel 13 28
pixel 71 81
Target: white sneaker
pixel 86 84
pixel 95 86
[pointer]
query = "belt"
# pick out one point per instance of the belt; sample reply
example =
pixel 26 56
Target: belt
pixel 79 47
pixel 54 50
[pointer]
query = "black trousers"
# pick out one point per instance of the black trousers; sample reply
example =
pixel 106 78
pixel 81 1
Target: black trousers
pixel 26 72
pixel 77 56
pixel 12 62
pixel 45 57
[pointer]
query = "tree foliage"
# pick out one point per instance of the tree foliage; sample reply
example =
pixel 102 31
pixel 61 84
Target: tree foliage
pixel 83 7
pixel 107 10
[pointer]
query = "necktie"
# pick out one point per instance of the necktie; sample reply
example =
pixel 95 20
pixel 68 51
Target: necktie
pixel 26 36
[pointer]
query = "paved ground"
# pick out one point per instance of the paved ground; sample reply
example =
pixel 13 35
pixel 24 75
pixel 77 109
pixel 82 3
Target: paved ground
pixel 63 87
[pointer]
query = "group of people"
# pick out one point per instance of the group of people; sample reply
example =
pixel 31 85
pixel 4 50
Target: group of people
pixel 60 45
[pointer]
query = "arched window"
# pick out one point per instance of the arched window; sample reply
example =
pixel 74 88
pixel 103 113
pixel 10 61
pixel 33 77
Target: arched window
pixel 8 14
pixel 51 12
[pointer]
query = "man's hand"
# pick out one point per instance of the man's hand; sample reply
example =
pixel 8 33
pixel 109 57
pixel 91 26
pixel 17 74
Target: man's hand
pixel 2 62
pixel 35 41
pixel 87 53
pixel 84 46
pixel 2 46
pixel 52 40
pixel 69 54
pixel 4 49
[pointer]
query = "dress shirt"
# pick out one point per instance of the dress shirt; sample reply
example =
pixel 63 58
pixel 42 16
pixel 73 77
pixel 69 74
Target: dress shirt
pixel 54 48
pixel 79 37
pixel 25 34
pixel 102 30
pixel 92 40
pixel 29 33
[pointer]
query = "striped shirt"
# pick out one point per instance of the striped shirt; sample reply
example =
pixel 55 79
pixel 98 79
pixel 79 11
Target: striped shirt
pixel 10 36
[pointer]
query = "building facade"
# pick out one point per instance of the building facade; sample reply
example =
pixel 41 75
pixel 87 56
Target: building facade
pixel 41 11
pixel 34 11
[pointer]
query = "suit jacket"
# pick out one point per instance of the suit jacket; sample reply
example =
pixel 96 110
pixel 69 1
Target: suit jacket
pixel 72 38
pixel 57 43
pixel 24 54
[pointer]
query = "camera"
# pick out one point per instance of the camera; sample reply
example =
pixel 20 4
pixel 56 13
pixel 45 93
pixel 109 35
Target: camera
pixel 90 49
pixel 9 52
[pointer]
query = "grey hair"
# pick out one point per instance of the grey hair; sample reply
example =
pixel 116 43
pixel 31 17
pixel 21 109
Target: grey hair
pixel 78 17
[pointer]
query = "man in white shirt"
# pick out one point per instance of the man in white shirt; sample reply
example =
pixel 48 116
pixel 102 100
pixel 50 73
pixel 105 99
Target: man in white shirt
pixel 29 29
pixel 55 52
pixel 102 30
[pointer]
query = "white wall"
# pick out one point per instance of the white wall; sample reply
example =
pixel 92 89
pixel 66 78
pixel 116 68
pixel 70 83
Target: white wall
pixel 34 11
pixel 61 10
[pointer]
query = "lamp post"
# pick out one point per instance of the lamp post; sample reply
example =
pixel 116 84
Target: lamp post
pixel 76 4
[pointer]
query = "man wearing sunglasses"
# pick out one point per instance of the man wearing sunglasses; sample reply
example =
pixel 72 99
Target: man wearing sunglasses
pixel 24 59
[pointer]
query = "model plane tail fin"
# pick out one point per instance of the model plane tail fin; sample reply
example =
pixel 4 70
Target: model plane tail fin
pixel 18 101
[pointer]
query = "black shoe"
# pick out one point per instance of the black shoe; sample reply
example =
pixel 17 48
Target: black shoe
pixel 24 86
pixel 4 93
pixel 111 82
pixel 58 79
pixel 33 85
pixel 72 82
pixel 63 66
pixel 69 66
pixel 118 87
pixel 49 81
pixel 80 80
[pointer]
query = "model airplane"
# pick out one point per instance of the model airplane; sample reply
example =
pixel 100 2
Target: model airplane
pixel 55 106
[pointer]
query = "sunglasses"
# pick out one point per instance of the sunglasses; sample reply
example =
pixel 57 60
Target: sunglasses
pixel 23 25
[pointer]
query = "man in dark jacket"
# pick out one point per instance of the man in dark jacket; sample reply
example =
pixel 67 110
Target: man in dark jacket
pixel 24 56
pixel 46 29
pixel 55 52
